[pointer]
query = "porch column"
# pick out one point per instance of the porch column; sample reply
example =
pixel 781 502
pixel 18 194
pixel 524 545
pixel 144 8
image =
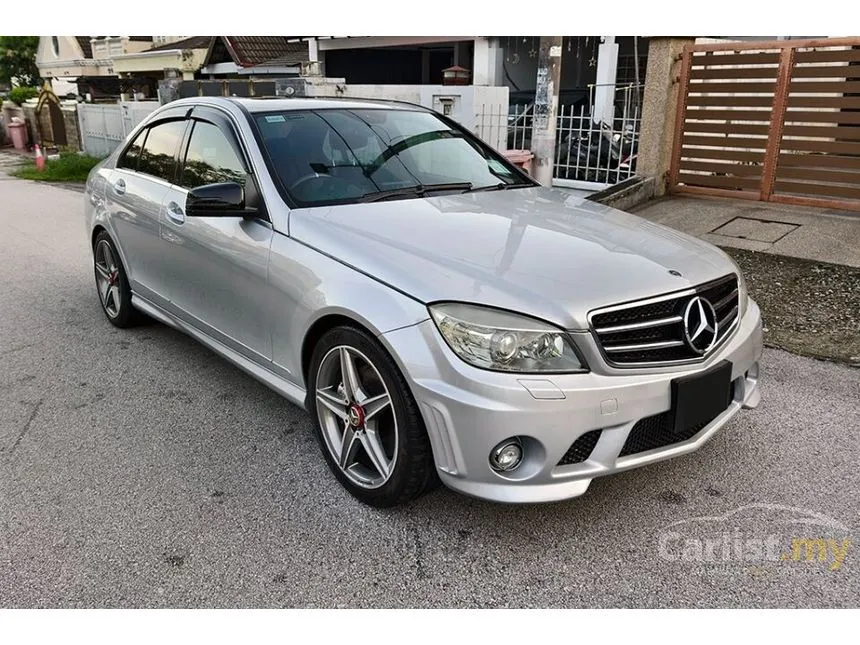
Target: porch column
pixel 487 62
pixel 314 67
pixel 660 109
pixel 604 93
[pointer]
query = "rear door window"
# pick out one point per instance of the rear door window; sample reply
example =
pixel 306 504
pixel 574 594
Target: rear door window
pixel 132 153
pixel 159 152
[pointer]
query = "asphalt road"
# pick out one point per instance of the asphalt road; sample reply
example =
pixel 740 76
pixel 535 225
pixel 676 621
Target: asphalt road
pixel 137 468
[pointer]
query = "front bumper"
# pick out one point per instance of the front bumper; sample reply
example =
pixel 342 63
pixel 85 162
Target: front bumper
pixel 468 411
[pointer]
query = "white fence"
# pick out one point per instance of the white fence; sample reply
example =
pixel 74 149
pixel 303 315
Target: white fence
pixel 104 126
pixel 589 153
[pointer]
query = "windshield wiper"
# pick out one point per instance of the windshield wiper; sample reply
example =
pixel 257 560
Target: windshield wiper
pixel 413 191
pixel 499 186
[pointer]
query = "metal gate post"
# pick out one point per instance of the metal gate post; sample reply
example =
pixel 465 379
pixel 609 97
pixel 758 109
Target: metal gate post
pixel 777 122
pixel 680 115
pixel 82 125
pixel 105 129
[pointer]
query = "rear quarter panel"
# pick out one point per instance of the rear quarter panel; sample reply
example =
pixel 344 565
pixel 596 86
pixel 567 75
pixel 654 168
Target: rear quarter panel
pixel 95 206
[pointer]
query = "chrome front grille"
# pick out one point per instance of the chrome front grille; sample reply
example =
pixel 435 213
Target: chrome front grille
pixel 651 331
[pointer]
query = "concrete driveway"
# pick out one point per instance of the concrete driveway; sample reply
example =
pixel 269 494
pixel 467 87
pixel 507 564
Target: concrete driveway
pixel 139 469
pixel 820 234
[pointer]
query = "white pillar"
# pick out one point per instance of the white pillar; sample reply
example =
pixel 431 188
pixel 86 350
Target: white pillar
pixel 313 50
pixel 604 93
pixel 486 62
pixel 481 62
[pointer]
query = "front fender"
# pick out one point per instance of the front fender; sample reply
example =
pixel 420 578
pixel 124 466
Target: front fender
pixel 307 286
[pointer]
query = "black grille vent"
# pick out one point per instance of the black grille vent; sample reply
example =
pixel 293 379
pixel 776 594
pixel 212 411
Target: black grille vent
pixel 635 314
pixel 580 450
pixel 654 332
pixel 655 432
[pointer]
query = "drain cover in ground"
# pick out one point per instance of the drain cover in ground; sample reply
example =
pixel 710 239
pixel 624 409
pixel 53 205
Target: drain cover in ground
pixel 755 229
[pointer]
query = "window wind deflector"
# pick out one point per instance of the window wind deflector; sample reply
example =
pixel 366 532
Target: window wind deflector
pixel 413 191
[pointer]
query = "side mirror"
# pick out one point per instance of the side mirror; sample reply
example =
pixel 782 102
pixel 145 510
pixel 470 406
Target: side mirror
pixel 226 199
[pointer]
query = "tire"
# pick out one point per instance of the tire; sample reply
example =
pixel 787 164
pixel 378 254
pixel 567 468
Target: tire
pixel 112 284
pixel 395 429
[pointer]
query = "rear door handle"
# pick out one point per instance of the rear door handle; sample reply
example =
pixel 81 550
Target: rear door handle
pixel 119 187
pixel 174 212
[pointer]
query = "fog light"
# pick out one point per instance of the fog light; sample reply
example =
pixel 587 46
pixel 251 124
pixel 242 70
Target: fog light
pixel 507 455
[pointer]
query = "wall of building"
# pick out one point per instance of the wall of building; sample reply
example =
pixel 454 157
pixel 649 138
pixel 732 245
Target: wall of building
pixel 390 65
pixel 186 60
pixel 578 61
pixel 469 105
pixel 107 47
pixel 69 61
pixel 520 66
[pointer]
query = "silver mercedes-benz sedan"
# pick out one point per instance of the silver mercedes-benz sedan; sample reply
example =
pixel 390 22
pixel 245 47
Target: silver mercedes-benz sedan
pixel 439 314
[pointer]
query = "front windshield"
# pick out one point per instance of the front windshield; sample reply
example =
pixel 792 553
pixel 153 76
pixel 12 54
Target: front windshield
pixel 339 155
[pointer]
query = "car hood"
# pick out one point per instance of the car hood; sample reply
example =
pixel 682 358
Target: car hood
pixel 537 251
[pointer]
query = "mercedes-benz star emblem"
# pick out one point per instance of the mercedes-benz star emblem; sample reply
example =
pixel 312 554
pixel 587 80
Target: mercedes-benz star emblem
pixel 700 325
pixel 355 414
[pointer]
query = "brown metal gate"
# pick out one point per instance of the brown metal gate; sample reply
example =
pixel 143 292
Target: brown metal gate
pixel 774 121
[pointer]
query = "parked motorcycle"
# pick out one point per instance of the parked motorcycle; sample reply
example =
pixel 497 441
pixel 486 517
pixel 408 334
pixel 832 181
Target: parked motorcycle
pixel 601 155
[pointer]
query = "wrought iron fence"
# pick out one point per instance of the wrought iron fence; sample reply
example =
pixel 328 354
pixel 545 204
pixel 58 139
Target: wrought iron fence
pixel 589 150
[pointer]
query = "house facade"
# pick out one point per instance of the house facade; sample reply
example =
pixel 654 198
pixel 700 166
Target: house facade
pixel 183 54
pixel 509 61
pixel 85 64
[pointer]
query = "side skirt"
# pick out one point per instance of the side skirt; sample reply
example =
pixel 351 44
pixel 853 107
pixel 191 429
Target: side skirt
pixel 290 391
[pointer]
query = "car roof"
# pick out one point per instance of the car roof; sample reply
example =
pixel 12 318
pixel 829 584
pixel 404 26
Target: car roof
pixel 285 104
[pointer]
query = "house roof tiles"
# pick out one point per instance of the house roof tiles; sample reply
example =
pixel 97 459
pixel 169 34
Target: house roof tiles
pixel 192 42
pixel 248 51
pixel 85 45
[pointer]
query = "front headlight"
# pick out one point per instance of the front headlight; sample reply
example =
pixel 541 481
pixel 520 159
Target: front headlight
pixel 502 341
pixel 743 294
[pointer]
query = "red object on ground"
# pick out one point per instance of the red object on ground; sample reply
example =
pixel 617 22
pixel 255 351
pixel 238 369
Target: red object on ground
pixel 18 133
pixel 40 158
pixel 521 158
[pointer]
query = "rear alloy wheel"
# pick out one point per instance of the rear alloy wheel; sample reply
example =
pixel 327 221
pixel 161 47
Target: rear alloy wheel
pixel 371 433
pixel 112 284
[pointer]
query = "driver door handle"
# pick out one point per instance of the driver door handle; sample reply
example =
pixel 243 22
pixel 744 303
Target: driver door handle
pixel 175 214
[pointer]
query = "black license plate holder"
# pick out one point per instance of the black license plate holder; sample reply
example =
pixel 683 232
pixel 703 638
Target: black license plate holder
pixel 698 399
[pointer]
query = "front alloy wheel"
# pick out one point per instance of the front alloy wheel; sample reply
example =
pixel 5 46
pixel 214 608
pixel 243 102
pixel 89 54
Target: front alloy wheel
pixel 358 423
pixel 370 431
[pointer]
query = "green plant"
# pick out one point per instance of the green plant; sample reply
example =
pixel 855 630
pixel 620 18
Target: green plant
pixel 70 167
pixel 18 60
pixel 20 94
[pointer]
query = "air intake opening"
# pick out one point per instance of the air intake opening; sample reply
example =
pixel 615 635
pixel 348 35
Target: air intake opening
pixel 581 449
